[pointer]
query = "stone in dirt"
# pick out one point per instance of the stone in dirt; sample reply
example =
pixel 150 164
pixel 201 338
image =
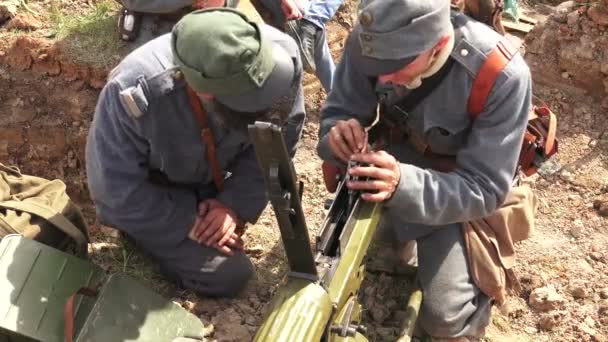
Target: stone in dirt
pixel 578 291
pixel 586 329
pixel 572 18
pixel 552 319
pixel 601 206
pixel 599 337
pixel 379 313
pixel 604 293
pixel 577 229
pixel 386 334
pixel 8 9
pixel 24 22
pixel 599 15
pixel 603 308
pixel 546 299
pixel 597 256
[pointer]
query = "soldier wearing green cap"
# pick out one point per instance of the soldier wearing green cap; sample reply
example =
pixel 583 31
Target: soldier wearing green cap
pixel 397 46
pixel 149 172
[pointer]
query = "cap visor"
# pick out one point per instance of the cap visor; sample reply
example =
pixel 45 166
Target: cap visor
pixel 276 85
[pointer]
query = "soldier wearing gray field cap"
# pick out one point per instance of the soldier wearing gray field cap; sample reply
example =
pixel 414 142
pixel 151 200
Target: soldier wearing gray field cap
pixel 148 168
pixel 394 48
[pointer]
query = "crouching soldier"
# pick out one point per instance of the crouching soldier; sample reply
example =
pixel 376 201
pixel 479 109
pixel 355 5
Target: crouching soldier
pixel 168 157
pixel 439 167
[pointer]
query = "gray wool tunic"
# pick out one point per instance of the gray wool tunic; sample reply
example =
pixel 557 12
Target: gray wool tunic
pixel 144 126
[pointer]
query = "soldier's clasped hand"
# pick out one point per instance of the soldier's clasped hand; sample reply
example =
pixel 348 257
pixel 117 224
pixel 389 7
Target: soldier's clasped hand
pixel 347 138
pixel 215 227
pixel 383 175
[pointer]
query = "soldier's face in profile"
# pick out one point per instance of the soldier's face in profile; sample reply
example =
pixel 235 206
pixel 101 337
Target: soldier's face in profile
pixel 410 76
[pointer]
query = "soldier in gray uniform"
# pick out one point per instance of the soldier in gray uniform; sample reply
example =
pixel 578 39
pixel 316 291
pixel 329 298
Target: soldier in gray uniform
pixel 148 169
pixel 395 46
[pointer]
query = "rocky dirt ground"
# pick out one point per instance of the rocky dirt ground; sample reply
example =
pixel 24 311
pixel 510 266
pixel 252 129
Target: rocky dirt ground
pixel 51 70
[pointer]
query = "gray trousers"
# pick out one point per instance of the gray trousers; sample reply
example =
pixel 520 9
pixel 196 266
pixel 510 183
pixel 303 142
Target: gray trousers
pixel 452 305
pixel 196 267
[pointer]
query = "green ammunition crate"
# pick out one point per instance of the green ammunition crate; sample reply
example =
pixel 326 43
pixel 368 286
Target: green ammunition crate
pixel 36 281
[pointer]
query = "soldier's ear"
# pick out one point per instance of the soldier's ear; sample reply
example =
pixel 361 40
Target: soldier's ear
pixel 441 44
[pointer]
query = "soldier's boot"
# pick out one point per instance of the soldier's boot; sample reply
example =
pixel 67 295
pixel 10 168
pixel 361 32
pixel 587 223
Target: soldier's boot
pixel 306 35
pixel 129 23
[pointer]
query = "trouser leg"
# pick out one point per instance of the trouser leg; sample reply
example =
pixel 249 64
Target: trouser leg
pixel 320 12
pixel 452 305
pixel 324 62
pixel 201 269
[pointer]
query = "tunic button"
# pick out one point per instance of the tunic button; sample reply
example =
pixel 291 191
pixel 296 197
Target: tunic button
pixel 367 50
pixel 464 52
pixel 366 37
pixel 366 19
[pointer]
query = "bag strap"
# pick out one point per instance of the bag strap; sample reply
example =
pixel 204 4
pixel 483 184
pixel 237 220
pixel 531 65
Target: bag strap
pixel 206 137
pixel 68 311
pixel 487 75
pixel 551 129
pixel 52 216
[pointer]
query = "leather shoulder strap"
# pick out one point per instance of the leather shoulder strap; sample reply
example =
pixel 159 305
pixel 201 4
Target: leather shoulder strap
pixel 487 75
pixel 206 137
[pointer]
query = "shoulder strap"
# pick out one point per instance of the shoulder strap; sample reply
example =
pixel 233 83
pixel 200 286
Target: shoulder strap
pixel 206 137
pixel 52 216
pixel 487 75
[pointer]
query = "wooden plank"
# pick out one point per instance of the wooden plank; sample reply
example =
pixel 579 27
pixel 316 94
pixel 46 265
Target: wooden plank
pixel 521 27
pixel 528 19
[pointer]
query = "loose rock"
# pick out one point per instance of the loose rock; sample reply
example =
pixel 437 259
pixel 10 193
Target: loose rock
pixel 586 329
pixel 572 18
pixel 546 299
pixel 598 15
pixel 578 291
pixel 603 308
pixel 379 313
pixel 8 10
pixel 552 319
pixel 604 293
pixel 24 22
pixel 576 230
pixel 386 334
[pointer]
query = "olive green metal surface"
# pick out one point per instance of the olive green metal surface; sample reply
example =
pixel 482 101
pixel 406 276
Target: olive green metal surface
pixel 347 278
pixel 126 310
pixel 35 282
pixel 299 312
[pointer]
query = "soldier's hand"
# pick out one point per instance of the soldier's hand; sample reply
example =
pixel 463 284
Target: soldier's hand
pixel 347 138
pixel 291 9
pixel 383 172
pixel 234 242
pixel 215 224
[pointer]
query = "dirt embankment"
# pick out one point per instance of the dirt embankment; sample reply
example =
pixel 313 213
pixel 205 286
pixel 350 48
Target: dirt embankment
pixel 570 49
pixel 46 103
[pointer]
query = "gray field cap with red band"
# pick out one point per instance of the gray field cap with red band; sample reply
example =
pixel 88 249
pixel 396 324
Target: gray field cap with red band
pixel 221 52
pixel 390 34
